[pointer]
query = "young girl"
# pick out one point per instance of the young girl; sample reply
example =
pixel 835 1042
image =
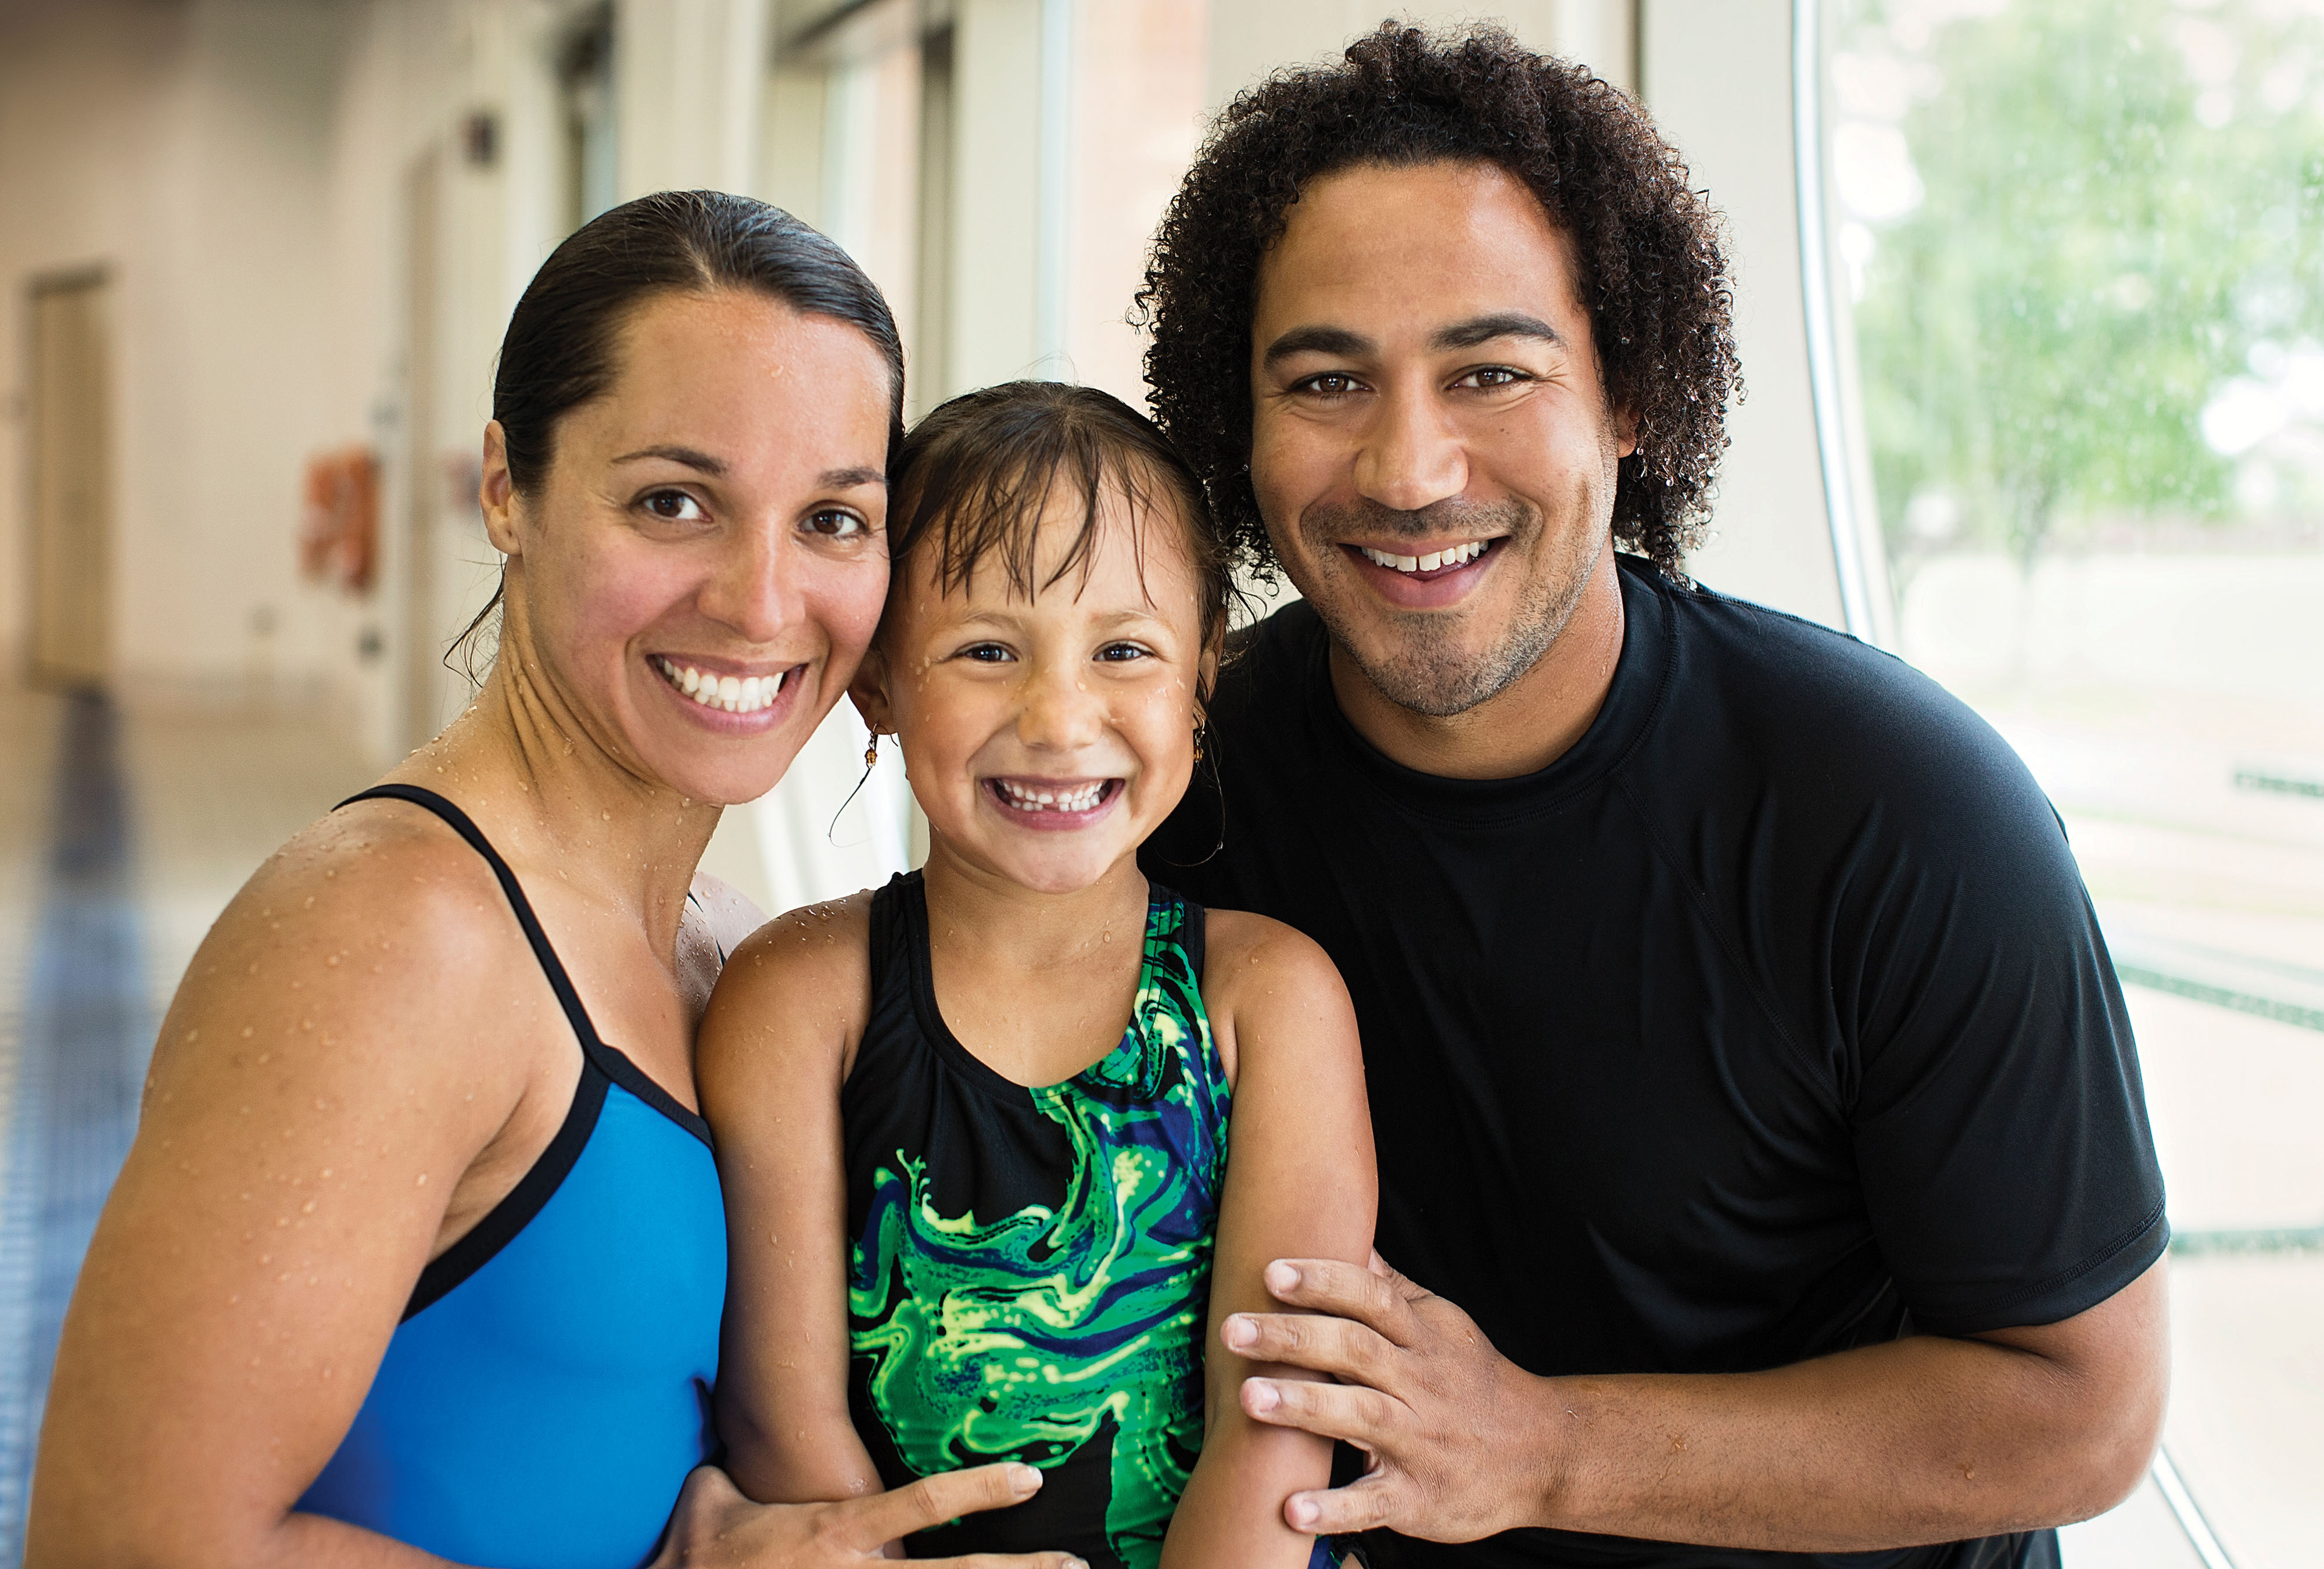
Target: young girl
pixel 982 1198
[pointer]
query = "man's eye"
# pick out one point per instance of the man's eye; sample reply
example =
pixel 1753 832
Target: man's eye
pixel 674 506
pixel 837 523
pixel 1493 377
pixel 1330 384
pixel 1119 652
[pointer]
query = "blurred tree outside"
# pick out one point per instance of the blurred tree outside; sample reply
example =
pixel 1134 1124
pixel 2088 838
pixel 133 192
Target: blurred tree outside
pixel 2086 243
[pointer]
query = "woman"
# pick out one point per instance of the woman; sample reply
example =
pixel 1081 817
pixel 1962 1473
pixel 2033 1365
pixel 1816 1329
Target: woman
pixel 420 1255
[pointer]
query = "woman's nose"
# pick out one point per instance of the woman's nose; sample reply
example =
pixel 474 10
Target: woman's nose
pixel 1059 711
pixel 755 588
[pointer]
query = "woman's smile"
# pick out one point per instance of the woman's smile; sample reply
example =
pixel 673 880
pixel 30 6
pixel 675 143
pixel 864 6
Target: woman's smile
pixel 719 693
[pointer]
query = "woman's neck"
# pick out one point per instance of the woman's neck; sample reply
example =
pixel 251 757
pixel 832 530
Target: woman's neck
pixel 548 793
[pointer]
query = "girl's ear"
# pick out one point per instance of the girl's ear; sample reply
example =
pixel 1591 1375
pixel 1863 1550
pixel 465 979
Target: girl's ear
pixel 868 692
pixel 1206 673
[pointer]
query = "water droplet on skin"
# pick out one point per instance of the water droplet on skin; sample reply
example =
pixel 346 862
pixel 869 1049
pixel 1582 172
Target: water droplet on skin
pixel 422 1182
pixel 333 961
pixel 245 1028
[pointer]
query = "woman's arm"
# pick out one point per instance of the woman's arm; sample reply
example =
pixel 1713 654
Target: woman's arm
pixel 773 1050
pixel 334 1062
pixel 1299 1176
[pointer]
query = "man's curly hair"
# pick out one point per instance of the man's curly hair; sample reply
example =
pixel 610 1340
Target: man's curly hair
pixel 1653 272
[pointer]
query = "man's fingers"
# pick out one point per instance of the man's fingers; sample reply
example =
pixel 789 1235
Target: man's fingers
pixel 1345 1411
pixel 1395 1277
pixel 1338 1346
pixel 1345 1291
pixel 934 1499
pixel 1360 1506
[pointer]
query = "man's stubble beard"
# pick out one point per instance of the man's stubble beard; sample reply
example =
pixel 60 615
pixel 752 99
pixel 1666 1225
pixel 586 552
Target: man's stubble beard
pixel 1427 670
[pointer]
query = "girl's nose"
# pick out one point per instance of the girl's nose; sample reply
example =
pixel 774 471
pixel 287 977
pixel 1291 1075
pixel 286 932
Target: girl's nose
pixel 1059 711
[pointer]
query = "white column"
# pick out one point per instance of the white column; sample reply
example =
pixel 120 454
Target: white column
pixel 687 80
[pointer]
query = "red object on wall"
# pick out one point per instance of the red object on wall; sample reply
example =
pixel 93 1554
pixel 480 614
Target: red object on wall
pixel 339 535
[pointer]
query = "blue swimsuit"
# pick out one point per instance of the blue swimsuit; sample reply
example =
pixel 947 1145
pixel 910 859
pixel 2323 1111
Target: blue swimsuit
pixel 548 1389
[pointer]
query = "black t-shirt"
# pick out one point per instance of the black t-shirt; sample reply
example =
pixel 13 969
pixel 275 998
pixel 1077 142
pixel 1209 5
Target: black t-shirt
pixel 1770 1020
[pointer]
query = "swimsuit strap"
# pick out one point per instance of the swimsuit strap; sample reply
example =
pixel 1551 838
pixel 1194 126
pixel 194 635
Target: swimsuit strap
pixel 460 823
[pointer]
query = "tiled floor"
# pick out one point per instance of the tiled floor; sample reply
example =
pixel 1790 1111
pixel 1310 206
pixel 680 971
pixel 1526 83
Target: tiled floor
pixel 207 797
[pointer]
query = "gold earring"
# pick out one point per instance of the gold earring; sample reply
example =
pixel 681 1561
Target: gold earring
pixel 872 753
pixel 1199 728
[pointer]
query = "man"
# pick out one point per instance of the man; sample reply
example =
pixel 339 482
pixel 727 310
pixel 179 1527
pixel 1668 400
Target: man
pixel 1744 1057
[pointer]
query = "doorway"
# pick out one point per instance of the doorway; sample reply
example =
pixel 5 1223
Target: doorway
pixel 72 471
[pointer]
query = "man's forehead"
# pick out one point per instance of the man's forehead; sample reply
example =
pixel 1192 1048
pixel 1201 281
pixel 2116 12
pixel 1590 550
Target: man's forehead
pixel 1449 242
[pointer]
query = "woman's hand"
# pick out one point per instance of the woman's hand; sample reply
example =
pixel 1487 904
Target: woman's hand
pixel 716 1527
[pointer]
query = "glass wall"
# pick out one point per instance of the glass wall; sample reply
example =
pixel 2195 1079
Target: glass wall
pixel 2081 244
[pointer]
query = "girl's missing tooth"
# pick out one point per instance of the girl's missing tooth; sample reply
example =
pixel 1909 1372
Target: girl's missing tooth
pixel 1005 1141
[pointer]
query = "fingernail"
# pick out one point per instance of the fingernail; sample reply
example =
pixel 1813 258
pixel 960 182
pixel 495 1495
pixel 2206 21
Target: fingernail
pixel 1281 1277
pixel 1304 1512
pixel 1075 1563
pixel 1024 1479
pixel 1240 1333
pixel 1264 1396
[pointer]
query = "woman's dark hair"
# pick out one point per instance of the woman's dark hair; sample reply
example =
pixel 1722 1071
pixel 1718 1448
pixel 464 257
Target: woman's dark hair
pixel 976 474
pixel 558 351
pixel 1653 276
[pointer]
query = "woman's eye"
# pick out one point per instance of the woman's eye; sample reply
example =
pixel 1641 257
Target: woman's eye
pixel 837 523
pixel 674 506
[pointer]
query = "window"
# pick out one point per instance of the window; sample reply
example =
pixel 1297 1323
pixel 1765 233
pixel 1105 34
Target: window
pixel 2081 248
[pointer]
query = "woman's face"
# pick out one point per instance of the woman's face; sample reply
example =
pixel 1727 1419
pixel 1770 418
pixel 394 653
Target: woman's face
pixel 1047 738
pixel 706 558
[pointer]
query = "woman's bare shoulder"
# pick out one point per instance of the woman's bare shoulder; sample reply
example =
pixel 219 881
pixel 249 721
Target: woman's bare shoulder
pixel 373 919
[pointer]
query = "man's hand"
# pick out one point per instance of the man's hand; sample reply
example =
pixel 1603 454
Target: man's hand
pixel 714 1526
pixel 1453 1427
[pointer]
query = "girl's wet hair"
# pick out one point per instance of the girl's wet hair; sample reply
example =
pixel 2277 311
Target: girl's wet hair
pixel 975 477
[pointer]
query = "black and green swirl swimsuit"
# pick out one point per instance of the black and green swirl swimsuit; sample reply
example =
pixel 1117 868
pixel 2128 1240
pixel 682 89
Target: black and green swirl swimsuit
pixel 1030 1272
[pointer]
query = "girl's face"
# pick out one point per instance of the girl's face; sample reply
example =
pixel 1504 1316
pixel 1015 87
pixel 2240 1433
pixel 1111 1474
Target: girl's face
pixel 1046 738
pixel 706 558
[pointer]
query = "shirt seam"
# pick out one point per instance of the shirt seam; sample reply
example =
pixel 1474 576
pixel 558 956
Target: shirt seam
pixel 2107 1255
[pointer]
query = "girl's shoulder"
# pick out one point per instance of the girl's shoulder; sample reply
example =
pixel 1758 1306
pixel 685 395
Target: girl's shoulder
pixel 1264 986
pixel 800 983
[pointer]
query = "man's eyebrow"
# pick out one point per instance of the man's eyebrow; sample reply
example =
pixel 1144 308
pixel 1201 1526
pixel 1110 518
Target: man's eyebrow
pixel 1331 340
pixel 1481 329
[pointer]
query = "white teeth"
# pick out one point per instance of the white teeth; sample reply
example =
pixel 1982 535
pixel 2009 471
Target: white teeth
pixel 1039 798
pixel 743 694
pixel 1458 556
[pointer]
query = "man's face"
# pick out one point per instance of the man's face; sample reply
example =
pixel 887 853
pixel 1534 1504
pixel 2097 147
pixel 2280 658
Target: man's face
pixel 1431 444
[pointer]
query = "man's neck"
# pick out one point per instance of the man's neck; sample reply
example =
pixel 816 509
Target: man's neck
pixel 1522 728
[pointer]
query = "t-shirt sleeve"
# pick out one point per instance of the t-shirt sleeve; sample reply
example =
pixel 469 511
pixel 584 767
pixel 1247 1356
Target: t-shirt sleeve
pixel 1999 1120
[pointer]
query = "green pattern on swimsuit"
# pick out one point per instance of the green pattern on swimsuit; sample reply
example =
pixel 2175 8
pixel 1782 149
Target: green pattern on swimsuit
pixel 1028 1335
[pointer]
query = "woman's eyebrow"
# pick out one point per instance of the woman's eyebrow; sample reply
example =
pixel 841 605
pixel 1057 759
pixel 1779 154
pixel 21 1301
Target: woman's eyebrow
pixel 692 458
pixel 849 478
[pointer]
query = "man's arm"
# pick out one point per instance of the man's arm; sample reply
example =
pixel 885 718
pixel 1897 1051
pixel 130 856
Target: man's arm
pixel 1923 1439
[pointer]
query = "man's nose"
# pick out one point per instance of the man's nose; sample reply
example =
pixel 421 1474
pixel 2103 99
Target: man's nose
pixel 755 588
pixel 1412 455
pixel 1059 711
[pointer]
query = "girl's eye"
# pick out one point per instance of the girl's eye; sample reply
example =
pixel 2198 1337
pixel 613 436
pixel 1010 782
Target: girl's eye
pixel 987 653
pixel 837 523
pixel 1330 384
pixel 674 506
pixel 1118 652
